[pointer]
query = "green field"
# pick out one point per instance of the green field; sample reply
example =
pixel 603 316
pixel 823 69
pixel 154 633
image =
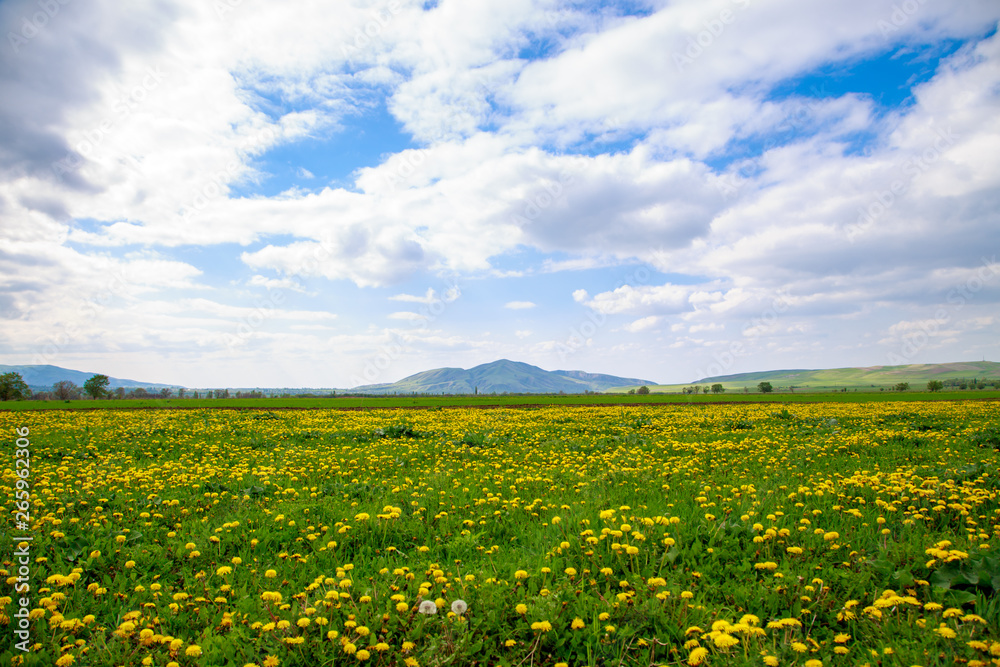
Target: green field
pixel 381 402
pixel 870 379
pixel 808 534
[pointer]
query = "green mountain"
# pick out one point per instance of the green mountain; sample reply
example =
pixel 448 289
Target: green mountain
pixel 866 377
pixel 42 377
pixel 503 376
pixel 915 374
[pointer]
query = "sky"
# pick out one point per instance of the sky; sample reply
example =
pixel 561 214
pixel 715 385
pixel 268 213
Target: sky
pixel 247 193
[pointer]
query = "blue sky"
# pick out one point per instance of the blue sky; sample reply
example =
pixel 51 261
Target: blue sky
pixel 257 194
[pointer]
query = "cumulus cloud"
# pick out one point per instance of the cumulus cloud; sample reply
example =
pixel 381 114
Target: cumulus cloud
pixel 708 148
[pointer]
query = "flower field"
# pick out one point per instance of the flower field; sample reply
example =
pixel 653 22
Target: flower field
pixel 816 535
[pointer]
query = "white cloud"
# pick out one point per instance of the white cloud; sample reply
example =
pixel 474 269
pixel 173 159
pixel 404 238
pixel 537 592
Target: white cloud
pixel 519 305
pixel 642 324
pixel 406 315
pixel 162 122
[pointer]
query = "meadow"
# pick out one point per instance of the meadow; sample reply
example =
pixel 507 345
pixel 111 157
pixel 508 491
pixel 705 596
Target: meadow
pixel 812 534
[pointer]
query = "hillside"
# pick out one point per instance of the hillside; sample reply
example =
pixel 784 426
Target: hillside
pixel 42 377
pixel 503 376
pixel 865 377
pixel 877 375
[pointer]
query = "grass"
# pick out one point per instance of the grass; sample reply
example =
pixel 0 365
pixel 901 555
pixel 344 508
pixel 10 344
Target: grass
pixel 732 534
pixel 383 402
pixel 852 379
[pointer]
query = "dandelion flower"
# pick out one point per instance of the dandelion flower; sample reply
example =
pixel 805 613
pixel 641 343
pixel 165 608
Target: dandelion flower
pixel 428 607
pixel 459 607
pixel 697 656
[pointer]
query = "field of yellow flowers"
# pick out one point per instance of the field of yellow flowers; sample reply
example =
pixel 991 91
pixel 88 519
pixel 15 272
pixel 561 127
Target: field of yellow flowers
pixel 815 535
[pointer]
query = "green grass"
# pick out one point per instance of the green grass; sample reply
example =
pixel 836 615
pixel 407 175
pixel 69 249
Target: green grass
pixel 587 535
pixel 378 402
pixel 853 379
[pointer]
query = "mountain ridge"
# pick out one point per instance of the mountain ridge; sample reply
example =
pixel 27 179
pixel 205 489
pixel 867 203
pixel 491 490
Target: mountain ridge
pixel 501 376
pixel 866 374
pixel 41 377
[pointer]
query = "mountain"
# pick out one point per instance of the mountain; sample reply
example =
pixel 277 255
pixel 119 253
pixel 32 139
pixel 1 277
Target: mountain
pixel 915 374
pixel 42 377
pixel 503 376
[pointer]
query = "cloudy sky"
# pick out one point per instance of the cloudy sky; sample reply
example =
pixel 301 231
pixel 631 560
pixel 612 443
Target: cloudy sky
pixel 326 193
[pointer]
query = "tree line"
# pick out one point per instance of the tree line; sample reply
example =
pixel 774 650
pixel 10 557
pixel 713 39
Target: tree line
pixel 14 388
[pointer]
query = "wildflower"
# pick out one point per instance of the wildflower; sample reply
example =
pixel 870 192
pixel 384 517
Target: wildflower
pixel 428 607
pixel 946 632
pixel 542 626
pixel 522 609
pixel 362 655
pixel 520 574
pixel 577 623
pixel 799 647
pixel 814 663
pixel 459 607
pixel 697 656
pixel 192 651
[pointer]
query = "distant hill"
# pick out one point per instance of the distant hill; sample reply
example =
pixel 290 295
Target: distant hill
pixel 503 376
pixel 42 377
pixel 915 374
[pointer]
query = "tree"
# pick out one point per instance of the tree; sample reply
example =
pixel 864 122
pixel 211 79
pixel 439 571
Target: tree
pixel 935 385
pixel 64 390
pixel 718 388
pixel 902 386
pixel 13 387
pixel 97 386
pixel 765 387
pixel 643 390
